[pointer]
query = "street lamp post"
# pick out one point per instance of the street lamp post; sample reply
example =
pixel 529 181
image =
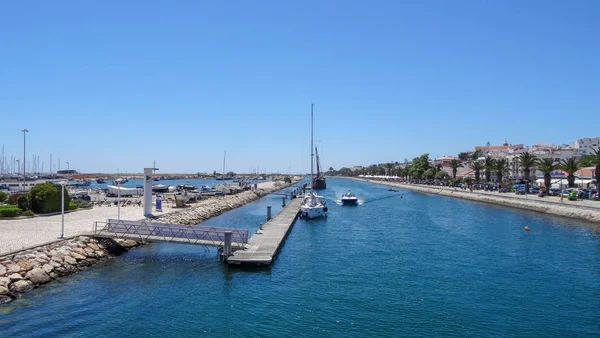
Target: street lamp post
pixel 68 166
pixel 24 131
pixel 119 198
pixel 62 208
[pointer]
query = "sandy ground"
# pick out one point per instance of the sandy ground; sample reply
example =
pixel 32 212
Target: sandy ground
pixel 17 234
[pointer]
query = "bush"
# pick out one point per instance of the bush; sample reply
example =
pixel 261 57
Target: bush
pixel 45 198
pixel 287 180
pixel 82 203
pixel 12 199
pixel 3 196
pixel 23 202
pixel 9 211
pixel 27 213
pixel 72 206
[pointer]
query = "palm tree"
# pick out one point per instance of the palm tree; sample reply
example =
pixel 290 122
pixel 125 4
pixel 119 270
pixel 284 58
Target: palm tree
pixel 489 166
pixel 595 161
pixel 455 164
pixel 546 166
pixel 501 167
pixel 477 167
pixel 526 161
pixel 570 166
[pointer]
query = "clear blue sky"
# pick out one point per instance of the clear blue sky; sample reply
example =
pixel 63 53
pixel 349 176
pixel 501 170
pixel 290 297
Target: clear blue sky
pixel 118 84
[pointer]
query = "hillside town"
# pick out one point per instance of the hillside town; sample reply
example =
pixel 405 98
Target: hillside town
pixel 542 164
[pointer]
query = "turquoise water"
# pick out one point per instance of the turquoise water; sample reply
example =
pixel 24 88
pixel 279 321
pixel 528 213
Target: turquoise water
pixel 416 265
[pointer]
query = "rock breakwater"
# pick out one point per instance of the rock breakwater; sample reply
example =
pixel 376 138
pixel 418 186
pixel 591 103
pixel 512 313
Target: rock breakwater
pixel 208 208
pixel 26 270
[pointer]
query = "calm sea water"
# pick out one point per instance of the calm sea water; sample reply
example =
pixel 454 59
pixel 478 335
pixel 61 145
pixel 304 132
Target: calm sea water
pixel 416 265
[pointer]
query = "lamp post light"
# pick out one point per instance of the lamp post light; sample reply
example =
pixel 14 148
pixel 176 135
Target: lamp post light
pixel 62 207
pixel 68 166
pixel 118 180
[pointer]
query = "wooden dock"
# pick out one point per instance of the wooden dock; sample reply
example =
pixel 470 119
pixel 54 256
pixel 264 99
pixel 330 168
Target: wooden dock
pixel 263 246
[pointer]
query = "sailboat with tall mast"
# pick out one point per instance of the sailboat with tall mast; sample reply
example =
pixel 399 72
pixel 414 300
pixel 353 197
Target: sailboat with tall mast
pixel 313 206
pixel 319 181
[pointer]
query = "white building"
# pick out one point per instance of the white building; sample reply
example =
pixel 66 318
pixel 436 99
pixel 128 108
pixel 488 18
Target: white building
pixel 586 145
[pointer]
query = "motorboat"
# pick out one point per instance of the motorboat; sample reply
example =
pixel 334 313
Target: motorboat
pixel 116 191
pixel 349 198
pixel 160 188
pixel 313 206
pixel 100 181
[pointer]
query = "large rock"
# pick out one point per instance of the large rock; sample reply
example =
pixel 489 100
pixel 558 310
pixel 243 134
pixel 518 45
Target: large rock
pixel 77 256
pixel 93 246
pixel 15 277
pixel 38 276
pixel 14 268
pixel 42 257
pixel 47 268
pixel 4 281
pixel 21 286
pixel 83 239
pixel 89 252
pixel 80 251
pixel 5 299
pixel 4 290
pixel 26 265
pixel 55 264
pixel 59 258
pixel 2 270
pixel 70 260
pixel 100 254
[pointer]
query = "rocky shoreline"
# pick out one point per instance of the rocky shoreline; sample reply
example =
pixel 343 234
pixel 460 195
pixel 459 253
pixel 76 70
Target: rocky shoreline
pixel 209 208
pixel 26 270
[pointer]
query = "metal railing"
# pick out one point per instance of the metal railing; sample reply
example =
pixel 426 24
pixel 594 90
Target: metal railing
pixel 179 233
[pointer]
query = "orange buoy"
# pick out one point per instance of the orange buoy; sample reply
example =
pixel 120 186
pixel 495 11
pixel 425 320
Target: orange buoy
pixel 526 228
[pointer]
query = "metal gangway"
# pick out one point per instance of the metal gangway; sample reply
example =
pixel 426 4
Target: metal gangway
pixel 233 239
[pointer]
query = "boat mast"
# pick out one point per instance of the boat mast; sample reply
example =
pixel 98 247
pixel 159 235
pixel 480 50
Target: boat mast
pixel 224 155
pixel 312 178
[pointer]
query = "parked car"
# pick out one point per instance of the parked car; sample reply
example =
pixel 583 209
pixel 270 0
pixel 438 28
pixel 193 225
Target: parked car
pixel 82 197
pixel 520 191
pixel 554 192
pixel 534 191
pixel 565 193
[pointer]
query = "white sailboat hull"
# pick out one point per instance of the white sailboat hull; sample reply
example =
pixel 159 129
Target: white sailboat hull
pixel 312 212
pixel 112 190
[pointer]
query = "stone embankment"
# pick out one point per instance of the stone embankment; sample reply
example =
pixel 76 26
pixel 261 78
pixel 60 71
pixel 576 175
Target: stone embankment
pixel 26 270
pixel 550 206
pixel 206 209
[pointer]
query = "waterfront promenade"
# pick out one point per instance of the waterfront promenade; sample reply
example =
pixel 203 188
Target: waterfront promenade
pixel 582 209
pixel 19 234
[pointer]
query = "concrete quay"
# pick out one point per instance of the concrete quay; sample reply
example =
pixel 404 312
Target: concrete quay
pixel 262 247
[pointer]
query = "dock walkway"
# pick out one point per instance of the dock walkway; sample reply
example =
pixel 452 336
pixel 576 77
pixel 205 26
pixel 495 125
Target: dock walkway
pixel 265 244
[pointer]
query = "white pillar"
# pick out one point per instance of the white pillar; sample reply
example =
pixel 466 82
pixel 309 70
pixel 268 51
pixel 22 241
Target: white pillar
pixel 148 191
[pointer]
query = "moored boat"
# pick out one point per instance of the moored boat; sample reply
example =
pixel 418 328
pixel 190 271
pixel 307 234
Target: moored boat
pixel 313 206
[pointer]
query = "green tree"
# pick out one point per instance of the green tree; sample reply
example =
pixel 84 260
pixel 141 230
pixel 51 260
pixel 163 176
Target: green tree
pixel 526 161
pixel 419 165
pixel 570 166
pixel 477 167
pixel 489 165
pixel 593 160
pixel 3 196
pixel 501 167
pixel 476 155
pixel 455 164
pixel 547 166
pixel 441 175
pixel 45 198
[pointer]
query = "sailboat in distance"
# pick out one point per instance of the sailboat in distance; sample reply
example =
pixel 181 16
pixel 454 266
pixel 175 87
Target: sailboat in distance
pixel 313 206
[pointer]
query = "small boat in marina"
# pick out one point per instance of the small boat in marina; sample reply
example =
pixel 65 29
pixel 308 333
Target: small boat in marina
pixel 114 191
pixel 161 188
pixel 100 181
pixel 349 198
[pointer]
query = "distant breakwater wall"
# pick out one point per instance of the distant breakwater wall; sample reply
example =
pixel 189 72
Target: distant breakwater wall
pixel 23 271
pixel 565 210
pixel 212 207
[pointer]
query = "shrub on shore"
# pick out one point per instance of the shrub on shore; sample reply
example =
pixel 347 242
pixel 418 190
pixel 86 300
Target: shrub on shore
pixel 72 206
pixel 9 211
pixel 82 204
pixel 27 213
pixel 45 198
pixel 3 196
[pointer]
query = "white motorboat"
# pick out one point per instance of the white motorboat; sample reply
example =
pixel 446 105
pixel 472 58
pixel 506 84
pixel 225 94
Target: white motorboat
pixel 349 199
pixel 114 191
pixel 313 206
